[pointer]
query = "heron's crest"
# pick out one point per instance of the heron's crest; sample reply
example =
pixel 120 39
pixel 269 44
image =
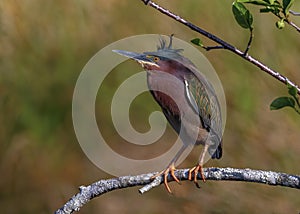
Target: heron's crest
pixel 164 50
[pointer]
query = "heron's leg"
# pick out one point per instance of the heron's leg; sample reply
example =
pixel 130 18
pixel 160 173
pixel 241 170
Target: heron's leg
pixel 199 167
pixel 171 169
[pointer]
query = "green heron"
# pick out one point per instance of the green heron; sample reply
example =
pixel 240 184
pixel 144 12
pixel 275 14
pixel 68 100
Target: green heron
pixel 190 103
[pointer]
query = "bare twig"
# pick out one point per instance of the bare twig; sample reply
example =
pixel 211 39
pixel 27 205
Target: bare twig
pixel 226 45
pixel 249 42
pixel 294 13
pixel 208 48
pixel 293 25
pixel 225 174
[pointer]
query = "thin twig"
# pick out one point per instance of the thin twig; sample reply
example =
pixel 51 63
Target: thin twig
pixel 208 48
pixel 249 42
pixel 294 13
pixel 219 174
pixel 226 45
pixel 293 25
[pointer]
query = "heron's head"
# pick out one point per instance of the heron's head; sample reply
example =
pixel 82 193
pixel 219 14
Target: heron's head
pixel 165 58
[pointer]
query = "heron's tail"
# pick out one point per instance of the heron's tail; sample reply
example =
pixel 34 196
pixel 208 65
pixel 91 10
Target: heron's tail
pixel 218 153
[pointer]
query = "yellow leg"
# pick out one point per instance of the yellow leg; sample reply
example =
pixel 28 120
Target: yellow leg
pixel 171 169
pixel 198 168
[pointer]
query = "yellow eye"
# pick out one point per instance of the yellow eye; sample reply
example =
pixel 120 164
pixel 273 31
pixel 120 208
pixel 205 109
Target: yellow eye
pixel 156 59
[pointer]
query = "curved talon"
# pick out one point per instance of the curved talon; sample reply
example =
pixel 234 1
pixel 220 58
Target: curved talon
pixel 170 170
pixel 190 173
pixel 195 171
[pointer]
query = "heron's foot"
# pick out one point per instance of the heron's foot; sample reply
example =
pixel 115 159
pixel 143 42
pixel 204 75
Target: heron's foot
pixel 170 170
pixel 195 170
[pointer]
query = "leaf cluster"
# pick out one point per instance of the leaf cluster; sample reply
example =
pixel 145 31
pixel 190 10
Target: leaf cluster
pixel 244 18
pixel 287 101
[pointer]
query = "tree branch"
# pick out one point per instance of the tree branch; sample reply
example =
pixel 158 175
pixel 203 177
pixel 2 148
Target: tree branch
pixel 101 187
pixel 226 45
pixel 294 25
pixel 294 13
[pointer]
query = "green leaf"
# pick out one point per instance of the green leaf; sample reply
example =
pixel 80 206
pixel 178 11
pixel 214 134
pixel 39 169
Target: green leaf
pixel 256 2
pixel 267 3
pixel 292 90
pixel 197 41
pixel 266 10
pixel 286 6
pixel 277 4
pixel 280 24
pixel 271 1
pixel 242 15
pixel 282 102
pixel 272 9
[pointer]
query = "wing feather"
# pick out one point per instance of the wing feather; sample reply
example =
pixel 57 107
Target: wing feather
pixel 203 100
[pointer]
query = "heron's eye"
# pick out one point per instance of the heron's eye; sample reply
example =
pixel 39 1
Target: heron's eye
pixel 156 59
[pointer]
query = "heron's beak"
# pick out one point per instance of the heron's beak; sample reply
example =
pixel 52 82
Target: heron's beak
pixel 140 58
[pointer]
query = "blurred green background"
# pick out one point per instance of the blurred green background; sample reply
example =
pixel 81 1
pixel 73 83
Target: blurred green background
pixel 45 45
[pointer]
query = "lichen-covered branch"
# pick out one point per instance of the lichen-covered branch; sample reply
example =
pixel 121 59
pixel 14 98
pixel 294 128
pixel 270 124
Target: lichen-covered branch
pixel 225 45
pixel 87 193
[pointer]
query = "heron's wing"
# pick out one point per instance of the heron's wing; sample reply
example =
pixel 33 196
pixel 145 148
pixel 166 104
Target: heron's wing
pixel 204 102
pixel 198 98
